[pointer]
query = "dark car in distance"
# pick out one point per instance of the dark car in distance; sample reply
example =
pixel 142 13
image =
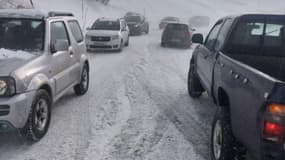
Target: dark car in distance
pixel 137 24
pixel 176 35
pixel 163 23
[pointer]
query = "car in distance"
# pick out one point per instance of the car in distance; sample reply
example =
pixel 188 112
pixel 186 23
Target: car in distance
pixel 241 66
pixel 176 35
pixel 131 13
pixel 42 57
pixel 137 24
pixel 107 34
pixel 167 20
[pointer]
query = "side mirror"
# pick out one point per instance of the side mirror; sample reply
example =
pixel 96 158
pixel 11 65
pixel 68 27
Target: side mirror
pixel 197 38
pixel 59 45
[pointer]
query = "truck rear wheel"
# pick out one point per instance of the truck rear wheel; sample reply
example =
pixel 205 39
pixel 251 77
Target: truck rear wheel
pixel 195 88
pixel 223 143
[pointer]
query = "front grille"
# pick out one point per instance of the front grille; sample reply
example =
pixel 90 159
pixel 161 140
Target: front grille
pixel 103 47
pixel 100 38
pixel 4 110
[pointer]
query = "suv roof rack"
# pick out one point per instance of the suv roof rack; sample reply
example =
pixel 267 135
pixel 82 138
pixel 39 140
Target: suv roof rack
pixel 58 14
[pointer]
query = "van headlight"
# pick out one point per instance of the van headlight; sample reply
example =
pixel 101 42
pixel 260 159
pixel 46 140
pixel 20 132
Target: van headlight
pixel 115 37
pixel 7 87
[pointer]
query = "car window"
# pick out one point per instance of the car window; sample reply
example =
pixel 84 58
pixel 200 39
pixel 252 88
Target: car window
pixel 213 35
pixel 178 27
pixel 133 18
pixel 22 34
pixel 106 25
pixel 223 33
pixel 58 32
pixel 76 30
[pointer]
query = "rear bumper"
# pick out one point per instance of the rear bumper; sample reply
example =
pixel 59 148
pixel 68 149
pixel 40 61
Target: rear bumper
pixel 271 151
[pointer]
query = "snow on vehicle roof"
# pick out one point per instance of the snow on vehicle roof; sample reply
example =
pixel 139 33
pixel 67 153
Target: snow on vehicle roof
pixel 22 13
pixel 108 19
pixel 6 53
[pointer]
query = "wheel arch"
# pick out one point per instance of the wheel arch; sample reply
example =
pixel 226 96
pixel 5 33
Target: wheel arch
pixel 223 99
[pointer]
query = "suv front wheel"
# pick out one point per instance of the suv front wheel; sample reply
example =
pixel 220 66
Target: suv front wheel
pixel 82 87
pixel 39 118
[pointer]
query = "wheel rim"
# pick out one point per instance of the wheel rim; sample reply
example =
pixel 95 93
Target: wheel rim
pixel 84 80
pixel 217 140
pixel 41 116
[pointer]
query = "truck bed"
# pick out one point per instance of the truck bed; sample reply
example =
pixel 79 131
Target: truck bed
pixel 274 66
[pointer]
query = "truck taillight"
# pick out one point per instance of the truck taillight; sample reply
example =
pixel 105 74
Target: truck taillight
pixel 274 130
pixel 274 127
pixel 277 109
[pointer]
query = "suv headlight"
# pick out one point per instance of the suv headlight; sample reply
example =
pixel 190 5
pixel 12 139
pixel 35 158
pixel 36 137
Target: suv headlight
pixel 115 37
pixel 7 86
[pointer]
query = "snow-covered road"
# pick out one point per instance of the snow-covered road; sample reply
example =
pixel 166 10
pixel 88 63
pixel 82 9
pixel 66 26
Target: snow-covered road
pixel 137 106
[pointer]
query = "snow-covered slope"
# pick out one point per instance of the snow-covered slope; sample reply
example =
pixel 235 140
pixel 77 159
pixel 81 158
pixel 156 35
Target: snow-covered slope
pixel 156 9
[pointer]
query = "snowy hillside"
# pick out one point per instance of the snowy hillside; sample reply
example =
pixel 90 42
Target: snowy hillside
pixel 156 9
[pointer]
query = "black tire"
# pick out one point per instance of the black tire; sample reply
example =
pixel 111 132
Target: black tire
pixel 39 118
pixel 82 87
pixel 121 46
pixel 195 88
pixel 163 44
pixel 127 43
pixel 224 145
pixel 147 30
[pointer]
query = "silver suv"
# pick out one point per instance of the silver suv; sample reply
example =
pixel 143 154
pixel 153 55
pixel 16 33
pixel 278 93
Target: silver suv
pixel 42 56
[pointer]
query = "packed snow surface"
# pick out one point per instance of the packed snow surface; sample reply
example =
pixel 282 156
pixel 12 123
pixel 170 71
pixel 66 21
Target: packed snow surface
pixel 5 54
pixel 137 106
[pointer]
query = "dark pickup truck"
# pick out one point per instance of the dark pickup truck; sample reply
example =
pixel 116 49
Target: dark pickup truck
pixel 241 65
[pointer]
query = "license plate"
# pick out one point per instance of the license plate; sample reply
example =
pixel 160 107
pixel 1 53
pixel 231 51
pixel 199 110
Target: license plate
pixel 99 43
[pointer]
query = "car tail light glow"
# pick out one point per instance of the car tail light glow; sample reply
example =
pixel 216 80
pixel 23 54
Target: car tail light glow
pixel 273 129
pixel 277 109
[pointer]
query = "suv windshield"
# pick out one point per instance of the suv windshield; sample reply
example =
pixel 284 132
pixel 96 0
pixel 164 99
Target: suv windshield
pixel 133 19
pixel 22 34
pixel 106 25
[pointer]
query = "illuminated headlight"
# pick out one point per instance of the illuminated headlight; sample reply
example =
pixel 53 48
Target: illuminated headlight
pixel 3 87
pixel 115 37
pixel 7 87
pixel 137 25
